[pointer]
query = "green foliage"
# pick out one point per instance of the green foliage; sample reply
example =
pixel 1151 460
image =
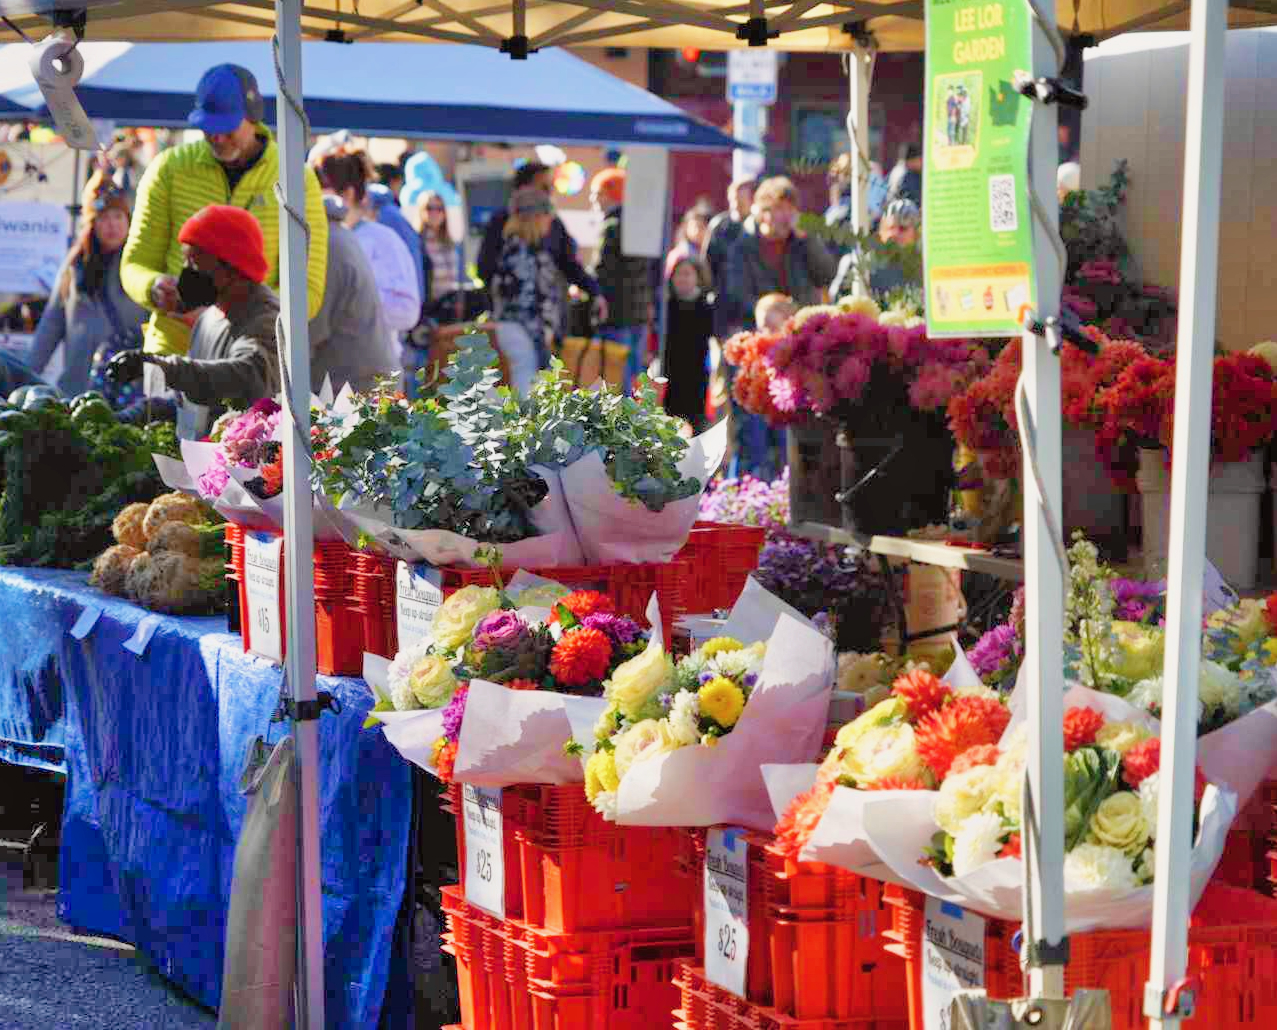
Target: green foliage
pixel 1090 775
pixel 872 254
pixel 1090 222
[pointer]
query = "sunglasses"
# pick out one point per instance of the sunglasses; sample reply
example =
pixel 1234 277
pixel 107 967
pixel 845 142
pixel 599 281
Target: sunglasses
pixel 107 194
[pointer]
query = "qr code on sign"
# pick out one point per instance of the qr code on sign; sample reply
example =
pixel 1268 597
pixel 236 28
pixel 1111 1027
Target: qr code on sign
pixel 1002 214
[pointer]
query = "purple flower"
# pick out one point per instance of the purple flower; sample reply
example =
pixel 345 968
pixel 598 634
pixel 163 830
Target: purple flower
pixel 453 713
pixel 620 629
pixel 705 677
pixel 502 628
pixel 751 678
pixel 993 649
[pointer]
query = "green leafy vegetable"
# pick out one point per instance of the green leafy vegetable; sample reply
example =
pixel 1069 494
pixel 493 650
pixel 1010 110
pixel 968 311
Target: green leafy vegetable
pixel 1090 775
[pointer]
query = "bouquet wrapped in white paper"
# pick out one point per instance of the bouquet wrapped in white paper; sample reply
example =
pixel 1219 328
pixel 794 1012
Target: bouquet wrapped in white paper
pixel 682 744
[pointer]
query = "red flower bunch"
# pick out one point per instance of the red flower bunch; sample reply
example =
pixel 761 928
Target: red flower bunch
pixel 583 603
pixel 446 761
pixel 964 723
pixel 581 657
pixel 922 692
pixel 1133 409
pixel 1243 407
pixel 803 815
pixel 750 385
pixel 1081 725
pixel 980 754
pixel 1145 758
pixel 1270 610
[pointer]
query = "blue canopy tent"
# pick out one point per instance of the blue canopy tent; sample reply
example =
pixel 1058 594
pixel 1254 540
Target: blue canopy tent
pixel 384 89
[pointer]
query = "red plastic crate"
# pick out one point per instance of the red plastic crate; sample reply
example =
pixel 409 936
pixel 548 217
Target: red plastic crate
pixel 705 1006
pixel 372 601
pixel 338 640
pixel 720 558
pixel 1236 963
pixel 809 924
pixel 1245 859
pixel 516 977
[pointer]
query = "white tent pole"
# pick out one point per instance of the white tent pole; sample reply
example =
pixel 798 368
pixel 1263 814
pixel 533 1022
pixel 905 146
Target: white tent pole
pixel 298 531
pixel 859 73
pixel 1199 270
pixel 1043 833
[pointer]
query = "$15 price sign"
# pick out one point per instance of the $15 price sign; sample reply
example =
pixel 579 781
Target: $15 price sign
pixel 727 908
pixel 263 564
pixel 485 859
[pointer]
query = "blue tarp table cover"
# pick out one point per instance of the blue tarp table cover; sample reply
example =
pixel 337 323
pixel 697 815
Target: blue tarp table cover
pixel 153 748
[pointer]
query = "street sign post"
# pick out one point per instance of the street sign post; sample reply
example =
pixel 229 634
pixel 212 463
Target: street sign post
pixel 751 76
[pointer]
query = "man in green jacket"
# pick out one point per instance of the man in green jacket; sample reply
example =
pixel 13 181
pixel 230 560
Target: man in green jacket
pixel 236 163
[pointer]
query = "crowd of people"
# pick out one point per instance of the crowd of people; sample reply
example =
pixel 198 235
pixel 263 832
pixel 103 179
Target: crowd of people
pixel 167 301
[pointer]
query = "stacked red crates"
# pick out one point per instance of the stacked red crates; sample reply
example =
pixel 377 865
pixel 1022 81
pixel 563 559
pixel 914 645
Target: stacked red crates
pixel 596 918
pixel 719 558
pixel 1232 952
pixel 339 645
pixel 816 957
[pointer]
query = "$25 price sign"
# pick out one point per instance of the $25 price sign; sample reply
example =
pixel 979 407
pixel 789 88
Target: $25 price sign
pixel 727 908
pixel 485 859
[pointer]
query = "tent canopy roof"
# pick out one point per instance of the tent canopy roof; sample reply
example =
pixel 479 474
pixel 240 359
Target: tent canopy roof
pixel 395 89
pixel 707 24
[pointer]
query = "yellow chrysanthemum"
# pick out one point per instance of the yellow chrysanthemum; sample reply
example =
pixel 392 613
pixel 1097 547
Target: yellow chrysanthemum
pixel 436 748
pixel 1270 651
pixel 722 701
pixel 720 645
pixel 600 774
pixel 860 306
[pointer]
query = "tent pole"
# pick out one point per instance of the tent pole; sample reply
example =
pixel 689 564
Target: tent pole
pixel 859 74
pixel 298 512
pixel 1043 837
pixel 1199 271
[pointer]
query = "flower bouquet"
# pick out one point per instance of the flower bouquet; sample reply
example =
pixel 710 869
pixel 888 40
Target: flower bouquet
pixel 682 744
pixel 962 844
pixel 490 696
pixel 911 741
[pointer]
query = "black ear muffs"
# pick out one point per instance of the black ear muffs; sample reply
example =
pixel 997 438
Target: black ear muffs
pixel 254 105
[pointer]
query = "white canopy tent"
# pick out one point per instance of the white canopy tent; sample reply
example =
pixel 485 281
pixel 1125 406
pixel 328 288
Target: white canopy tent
pixel 802 25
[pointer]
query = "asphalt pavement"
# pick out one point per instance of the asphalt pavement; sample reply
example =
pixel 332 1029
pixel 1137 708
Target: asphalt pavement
pixel 54 979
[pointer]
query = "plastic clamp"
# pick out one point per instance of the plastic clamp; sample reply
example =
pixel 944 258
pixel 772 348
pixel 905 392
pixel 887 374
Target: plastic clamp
pixel 337 36
pixel 308 711
pixel 860 34
pixel 1050 90
pixel 1040 953
pixel 75 19
pixel 755 32
pixel 1179 1001
pixel 517 48
pixel 1069 329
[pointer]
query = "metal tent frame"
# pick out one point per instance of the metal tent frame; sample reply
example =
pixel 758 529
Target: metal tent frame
pixel 804 24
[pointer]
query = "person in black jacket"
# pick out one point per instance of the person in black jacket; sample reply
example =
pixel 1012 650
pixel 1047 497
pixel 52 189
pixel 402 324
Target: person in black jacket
pixel 560 245
pixel 689 326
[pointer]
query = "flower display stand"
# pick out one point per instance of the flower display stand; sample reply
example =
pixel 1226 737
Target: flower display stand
pixel 1232 517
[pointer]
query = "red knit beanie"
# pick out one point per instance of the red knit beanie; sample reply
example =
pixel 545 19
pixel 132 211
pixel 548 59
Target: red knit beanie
pixel 231 235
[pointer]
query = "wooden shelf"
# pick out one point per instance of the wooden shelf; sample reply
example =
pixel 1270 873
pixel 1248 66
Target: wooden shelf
pixel 931 552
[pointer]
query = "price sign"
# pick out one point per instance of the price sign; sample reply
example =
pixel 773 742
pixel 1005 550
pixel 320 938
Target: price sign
pixel 485 859
pixel 952 959
pixel 263 563
pixel 418 595
pixel 727 908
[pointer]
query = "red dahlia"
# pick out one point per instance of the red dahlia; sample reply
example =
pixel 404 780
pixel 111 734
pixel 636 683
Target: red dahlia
pixel 922 692
pixel 584 602
pixel 895 783
pixel 580 657
pixel 981 754
pixel 965 723
pixel 1141 761
pixel 801 818
pixel 1080 727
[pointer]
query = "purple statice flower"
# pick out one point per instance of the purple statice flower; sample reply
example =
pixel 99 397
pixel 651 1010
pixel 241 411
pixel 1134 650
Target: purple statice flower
pixel 502 628
pixel 1136 600
pixel 751 678
pixel 824 623
pixel 705 677
pixel 665 700
pixel 620 629
pixel 453 713
pixel 993 650
pixel 748 502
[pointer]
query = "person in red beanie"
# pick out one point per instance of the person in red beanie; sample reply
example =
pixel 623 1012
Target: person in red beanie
pixel 233 356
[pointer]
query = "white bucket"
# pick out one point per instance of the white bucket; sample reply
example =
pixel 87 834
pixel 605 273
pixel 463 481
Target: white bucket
pixel 933 599
pixel 1232 517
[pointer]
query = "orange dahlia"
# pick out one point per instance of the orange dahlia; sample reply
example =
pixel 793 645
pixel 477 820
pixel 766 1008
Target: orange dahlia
pixel 584 602
pixel 522 685
pixel 801 818
pixel 922 692
pixel 1011 849
pixel 965 723
pixel 981 754
pixel 446 760
pixel 580 657
pixel 1080 727
pixel 1141 761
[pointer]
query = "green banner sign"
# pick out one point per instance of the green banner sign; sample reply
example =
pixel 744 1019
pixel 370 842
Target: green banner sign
pixel 977 224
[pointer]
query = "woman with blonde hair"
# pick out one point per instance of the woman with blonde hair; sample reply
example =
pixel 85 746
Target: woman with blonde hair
pixel 89 309
pixel 527 302
pixel 440 257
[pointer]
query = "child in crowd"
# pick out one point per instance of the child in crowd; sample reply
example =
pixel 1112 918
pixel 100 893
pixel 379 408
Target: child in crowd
pixel 772 311
pixel 688 328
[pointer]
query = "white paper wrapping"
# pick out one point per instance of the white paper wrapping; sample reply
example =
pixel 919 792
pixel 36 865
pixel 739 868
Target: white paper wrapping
pixel 517 736
pixel 757 612
pixel 783 722
pixel 412 734
pixel 613 530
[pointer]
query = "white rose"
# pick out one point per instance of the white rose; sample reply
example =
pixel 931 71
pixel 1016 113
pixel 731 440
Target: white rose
pixel 605 804
pixel 962 795
pixel 636 682
pixel 1097 867
pixel 456 618
pixel 646 739
pixel 978 840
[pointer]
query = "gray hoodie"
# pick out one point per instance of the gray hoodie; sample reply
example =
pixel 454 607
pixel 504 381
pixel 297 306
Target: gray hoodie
pixel 349 341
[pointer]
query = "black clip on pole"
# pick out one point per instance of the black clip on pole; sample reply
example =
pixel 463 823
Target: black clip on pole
pixel 1069 329
pixel 1050 90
